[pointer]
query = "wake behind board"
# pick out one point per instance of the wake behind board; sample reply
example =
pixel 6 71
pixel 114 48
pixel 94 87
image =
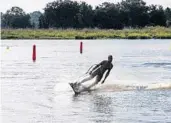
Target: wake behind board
pixel 78 88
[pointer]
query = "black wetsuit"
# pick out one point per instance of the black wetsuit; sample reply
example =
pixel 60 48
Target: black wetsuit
pixel 101 68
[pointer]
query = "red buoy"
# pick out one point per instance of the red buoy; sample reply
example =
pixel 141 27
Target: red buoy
pixel 81 47
pixel 34 53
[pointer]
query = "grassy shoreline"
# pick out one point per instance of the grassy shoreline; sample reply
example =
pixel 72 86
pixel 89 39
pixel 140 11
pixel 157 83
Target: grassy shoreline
pixel 145 33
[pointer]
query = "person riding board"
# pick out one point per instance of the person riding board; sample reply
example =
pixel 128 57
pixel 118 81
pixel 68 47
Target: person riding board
pixel 98 71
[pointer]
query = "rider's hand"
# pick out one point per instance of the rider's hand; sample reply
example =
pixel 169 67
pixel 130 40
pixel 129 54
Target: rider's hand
pixel 102 81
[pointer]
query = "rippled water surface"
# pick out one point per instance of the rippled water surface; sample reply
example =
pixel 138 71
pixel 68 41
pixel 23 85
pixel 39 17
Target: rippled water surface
pixel 138 90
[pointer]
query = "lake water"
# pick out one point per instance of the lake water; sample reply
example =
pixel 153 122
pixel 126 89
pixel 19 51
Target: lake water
pixel 138 89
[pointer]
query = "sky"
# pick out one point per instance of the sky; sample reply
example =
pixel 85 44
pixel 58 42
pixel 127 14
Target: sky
pixel 38 5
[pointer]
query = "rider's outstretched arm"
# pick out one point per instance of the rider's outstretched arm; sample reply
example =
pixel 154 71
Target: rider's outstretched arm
pixel 97 66
pixel 107 74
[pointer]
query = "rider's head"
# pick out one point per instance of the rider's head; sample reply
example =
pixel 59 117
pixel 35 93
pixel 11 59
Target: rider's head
pixel 110 58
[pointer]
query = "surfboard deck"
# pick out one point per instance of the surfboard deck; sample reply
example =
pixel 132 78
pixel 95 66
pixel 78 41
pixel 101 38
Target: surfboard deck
pixel 77 91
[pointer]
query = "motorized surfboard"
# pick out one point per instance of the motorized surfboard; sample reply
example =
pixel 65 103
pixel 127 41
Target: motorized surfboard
pixel 78 88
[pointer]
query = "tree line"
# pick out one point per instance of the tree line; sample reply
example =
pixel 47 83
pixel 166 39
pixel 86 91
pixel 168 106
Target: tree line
pixel 73 14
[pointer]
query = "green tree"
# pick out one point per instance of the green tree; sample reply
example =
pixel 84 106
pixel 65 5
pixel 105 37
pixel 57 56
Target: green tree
pixel 2 21
pixel 107 15
pixel 135 13
pixel 62 13
pixel 16 18
pixel 85 16
pixel 34 18
pixel 168 16
pixel 127 13
pixel 43 23
pixel 157 15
